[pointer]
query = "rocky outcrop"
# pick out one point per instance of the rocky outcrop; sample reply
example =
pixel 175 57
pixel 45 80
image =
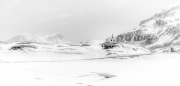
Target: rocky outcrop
pixel 137 38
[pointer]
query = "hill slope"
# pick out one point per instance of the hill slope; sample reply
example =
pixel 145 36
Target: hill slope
pixel 160 30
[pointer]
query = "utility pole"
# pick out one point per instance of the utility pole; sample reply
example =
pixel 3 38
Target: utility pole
pixel 81 43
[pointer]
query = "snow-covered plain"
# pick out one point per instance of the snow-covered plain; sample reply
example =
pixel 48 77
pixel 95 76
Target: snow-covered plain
pixel 63 65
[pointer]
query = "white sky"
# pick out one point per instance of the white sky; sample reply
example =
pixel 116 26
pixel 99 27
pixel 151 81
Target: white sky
pixel 77 20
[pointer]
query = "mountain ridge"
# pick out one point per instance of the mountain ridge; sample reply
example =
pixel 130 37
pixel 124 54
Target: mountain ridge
pixel 160 30
pixel 49 39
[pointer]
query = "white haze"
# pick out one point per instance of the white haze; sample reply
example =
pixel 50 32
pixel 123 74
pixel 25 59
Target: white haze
pixel 77 20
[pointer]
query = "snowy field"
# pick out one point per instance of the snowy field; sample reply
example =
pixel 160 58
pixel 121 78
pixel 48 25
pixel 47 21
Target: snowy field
pixel 86 66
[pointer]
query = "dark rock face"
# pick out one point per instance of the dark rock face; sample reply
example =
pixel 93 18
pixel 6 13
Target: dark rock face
pixel 137 37
pixel 21 47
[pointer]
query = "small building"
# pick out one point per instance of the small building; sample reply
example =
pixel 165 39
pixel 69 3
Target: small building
pixel 111 39
pixel 110 43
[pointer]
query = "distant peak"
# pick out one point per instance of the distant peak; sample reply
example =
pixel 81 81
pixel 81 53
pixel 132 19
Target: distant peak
pixel 175 5
pixel 38 35
pixel 52 39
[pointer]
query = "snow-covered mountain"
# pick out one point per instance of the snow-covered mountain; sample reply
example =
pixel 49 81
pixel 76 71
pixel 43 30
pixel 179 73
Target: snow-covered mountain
pixel 50 39
pixel 160 30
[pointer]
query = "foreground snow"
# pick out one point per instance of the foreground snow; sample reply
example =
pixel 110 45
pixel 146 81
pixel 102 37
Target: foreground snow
pixel 49 65
pixel 148 70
